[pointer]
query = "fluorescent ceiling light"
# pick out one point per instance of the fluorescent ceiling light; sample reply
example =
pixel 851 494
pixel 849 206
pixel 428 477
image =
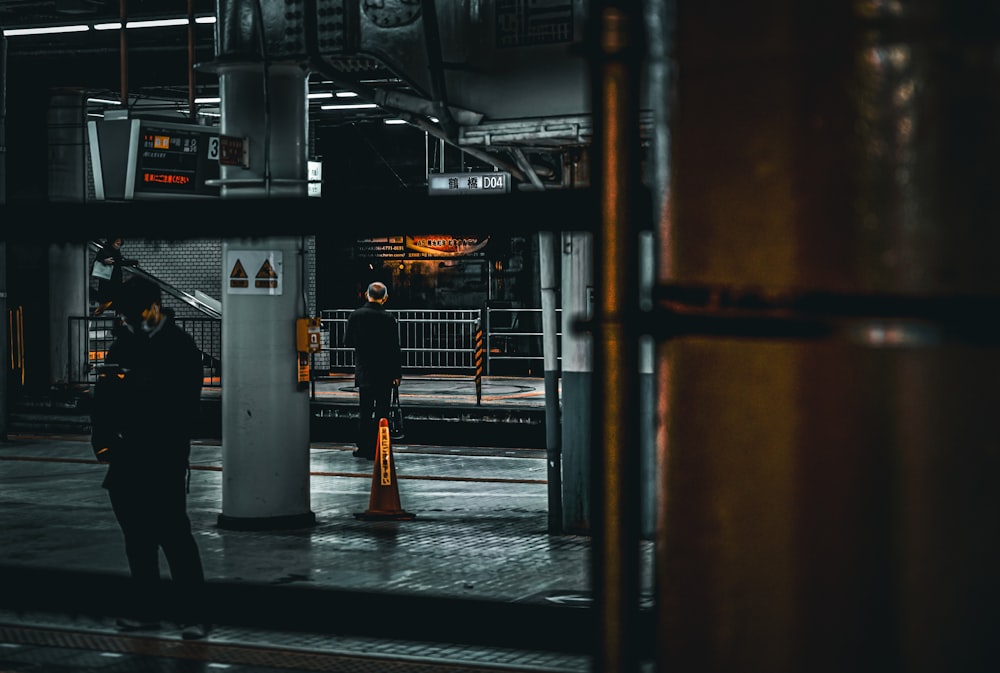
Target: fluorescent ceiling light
pixel 106 101
pixel 46 30
pixel 352 106
pixel 211 99
pixel 393 121
pixel 321 94
pixel 112 25
pixel 346 94
pixel 157 23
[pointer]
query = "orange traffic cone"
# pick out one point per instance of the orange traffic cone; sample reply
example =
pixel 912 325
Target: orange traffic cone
pixel 383 504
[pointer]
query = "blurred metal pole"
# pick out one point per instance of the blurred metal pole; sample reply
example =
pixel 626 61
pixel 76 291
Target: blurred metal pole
pixel 659 22
pixel 4 323
pixel 616 64
pixel 3 119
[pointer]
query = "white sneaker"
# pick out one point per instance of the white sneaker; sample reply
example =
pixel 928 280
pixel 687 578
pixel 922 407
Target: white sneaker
pixel 195 631
pixel 125 624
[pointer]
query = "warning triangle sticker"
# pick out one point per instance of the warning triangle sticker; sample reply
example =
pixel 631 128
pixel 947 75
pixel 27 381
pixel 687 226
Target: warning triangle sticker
pixel 238 276
pixel 266 270
pixel 267 277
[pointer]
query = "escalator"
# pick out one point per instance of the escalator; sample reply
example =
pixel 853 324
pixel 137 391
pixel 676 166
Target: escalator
pixel 92 335
pixel 199 301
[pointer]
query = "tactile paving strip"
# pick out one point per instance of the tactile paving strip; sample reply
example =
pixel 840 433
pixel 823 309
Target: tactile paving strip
pixel 51 646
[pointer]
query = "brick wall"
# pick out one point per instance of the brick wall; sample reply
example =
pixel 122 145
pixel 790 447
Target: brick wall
pixel 197 265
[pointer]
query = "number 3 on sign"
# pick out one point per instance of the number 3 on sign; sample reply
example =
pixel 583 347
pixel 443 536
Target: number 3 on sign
pixel 213 148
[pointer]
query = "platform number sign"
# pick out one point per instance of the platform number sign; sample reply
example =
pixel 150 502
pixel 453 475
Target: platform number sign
pixel 229 150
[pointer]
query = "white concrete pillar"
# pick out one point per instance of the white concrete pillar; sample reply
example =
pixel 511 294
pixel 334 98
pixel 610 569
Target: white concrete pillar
pixel 577 368
pixel 265 412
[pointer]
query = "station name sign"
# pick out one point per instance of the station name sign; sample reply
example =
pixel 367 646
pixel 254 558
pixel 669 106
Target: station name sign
pixel 497 182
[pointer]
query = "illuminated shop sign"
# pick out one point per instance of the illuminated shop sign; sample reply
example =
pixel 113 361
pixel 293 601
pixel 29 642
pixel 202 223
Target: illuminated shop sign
pixel 446 246
pixel 421 247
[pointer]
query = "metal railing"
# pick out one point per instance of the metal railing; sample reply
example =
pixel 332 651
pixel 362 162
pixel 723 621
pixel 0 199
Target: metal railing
pixel 90 338
pixel 513 338
pixel 433 341
pixel 445 341
pixel 439 340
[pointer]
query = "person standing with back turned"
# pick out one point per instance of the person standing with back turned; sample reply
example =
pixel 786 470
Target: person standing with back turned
pixel 149 442
pixel 378 364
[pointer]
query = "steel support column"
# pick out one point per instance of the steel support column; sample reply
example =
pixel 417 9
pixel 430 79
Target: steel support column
pixel 548 270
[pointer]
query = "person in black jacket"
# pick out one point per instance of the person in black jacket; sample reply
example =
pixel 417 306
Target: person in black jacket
pixel 149 444
pixel 110 255
pixel 378 364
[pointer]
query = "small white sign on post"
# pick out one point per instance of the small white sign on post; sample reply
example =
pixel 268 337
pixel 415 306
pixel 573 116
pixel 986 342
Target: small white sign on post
pixel 254 272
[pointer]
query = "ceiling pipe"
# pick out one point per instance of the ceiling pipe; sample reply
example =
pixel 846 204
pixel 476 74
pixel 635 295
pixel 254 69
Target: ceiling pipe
pixel 528 169
pixel 432 43
pixel 319 64
pixel 436 131
pixel 190 55
pixel 123 50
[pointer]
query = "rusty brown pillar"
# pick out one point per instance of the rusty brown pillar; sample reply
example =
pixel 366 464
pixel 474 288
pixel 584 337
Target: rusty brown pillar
pixel 830 499
pixel 615 501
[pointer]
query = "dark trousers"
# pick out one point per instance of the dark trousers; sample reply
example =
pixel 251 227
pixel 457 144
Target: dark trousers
pixel 153 516
pixel 373 405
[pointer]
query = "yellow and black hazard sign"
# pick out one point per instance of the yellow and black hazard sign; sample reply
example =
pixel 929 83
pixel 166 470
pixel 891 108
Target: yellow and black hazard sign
pixel 267 277
pixel 238 276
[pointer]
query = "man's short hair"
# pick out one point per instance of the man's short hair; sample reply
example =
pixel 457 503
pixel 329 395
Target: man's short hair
pixel 377 291
pixel 137 294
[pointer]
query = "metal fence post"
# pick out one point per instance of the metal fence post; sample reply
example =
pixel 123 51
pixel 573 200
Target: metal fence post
pixel 479 361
